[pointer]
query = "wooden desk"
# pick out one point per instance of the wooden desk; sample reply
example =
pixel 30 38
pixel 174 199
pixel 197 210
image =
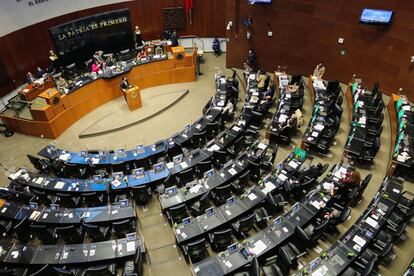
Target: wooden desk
pixel 133 98
pixel 89 97
pixel 31 92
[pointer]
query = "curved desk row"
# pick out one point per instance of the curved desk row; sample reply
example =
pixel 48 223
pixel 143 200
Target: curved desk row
pixel 73 254
pixel 347 249
pixel 75 105
pixel 10 210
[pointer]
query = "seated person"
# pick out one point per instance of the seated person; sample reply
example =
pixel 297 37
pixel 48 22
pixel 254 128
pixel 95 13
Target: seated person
pixel 110 61
pixel 319 70
pixel 261 80
pixel 228 109
pixel 291 122
pixel 331 213
pixel 98 57
pixel 96 67
pixel 264 105
pixel 141 55
pixel 39 73
pixel 291 184
pixel 159 51
pixel 311 172
pixel 30 78
pixel 61 84
pixel 350 181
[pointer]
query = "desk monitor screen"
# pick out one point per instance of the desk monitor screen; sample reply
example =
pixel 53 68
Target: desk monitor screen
pixel 232 248
pixel 131 236
pixel 178 159
pixel 121 151
pixel 97 178
pixel 83 153
pixel 210 211
pixel 230 201
pixel 314 264
pixel 33 205
pixel 54 207
pixel 186 221
pixel 123 202
pixel 118 175
pixel 369 234
pixel 159 167
pixel 370 16
pixel 295 207
pixel 101 153
pixel 138 172
pixel 208 173
pixel 277 221
pixel 140 148
pixel 171 190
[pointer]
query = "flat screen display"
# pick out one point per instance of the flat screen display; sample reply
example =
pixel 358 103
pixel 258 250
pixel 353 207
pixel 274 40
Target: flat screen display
pixel 77 41
pixel 254 2
pixel 370 16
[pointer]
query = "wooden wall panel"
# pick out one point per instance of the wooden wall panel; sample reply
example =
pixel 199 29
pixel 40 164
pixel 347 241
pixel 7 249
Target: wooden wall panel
pixel 306 32
pixel 27 48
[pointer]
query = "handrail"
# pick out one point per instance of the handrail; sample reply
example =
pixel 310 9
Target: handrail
pixel 193 37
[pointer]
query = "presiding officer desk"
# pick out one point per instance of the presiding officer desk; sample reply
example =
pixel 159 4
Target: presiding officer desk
pixel 11 210
pixel 91 93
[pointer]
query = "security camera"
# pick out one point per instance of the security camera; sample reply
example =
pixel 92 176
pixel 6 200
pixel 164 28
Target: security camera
pixel 229 25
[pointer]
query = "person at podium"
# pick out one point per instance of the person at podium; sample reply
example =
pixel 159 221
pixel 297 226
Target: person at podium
pixel 125 86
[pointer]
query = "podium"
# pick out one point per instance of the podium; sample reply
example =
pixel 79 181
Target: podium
pixel 133 98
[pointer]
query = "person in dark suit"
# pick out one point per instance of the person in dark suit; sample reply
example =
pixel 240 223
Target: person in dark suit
pixel 39 73
pixel 124 86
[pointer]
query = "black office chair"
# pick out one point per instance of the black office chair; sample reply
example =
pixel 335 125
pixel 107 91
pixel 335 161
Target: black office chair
pixel 44 270
pixel 43 234
pixel 255 173
pixel 199 139
pixel 272 270
pixel 240 184
pixel 219 158
pixel 74 171
pixel 269 159
pixel 220 194
pixel 275 203
pixel 220 240
pixel 93 199
pixel 96 233
pixel 203 167
pixel 288 256
pixel 185 176
pixel 212 130
pixel 251 269
pixel 22 230
pixel 59 271
pixel 123 227
pixel 44 198
pixel 104 270
pixel 344 215
pixel 196 250
pixel 177 213
pixel 364 184
pixel 141 194
pixel 68 201
pixel 170 181
pixel 173 150
pixel 41 165
pixel 69 234
pixel 5 227
pixel 237 147
pixel 200 206
pixel 244 225
pixel 134 267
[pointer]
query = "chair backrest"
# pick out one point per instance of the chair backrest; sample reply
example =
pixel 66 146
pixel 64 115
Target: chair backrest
pixel 256 119
pixel 204 201
pixel 246 223
pixel 223 191
pixel 223 236
pixel 98 271
pixel 220 156
pixel 178 212
pixel 22 229
pixel 35 162
pixel 199 139
pixel 68 233
pixel 93 231
pixel 239 144
pixel 122 226
pixel 244 179
pixel 66 200
pixel 365 182
pixel 186 176
pixel 140 192
pixel 42 271
pixel 197 247
pixel 203 166
pixel 255 271
pixel 42 233
pixel 61 271
pixel 170 181
pixel 92 199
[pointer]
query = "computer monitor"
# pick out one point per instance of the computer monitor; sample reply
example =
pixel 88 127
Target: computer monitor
pixel 208 173
pixel 139 172
pixel 101 153
pixel 83 153
pixel 171 190
pixel 54 207
pixel 230 201
pixel 123 202
pixel 97 178
pixel 369 234
pixel 277 221
pixel 121 152
pixel 140 148
pixel 118 175
pixel 314 264
pixel 178 159
pixel 186 221
pixel 232 248
pixel 210 211
pixel 159 167
pixel 295 207
pixel 131 236
pixel 33 205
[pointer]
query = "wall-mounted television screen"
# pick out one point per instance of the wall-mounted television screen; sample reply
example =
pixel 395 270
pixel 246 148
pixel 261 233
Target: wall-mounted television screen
pixel 370 16
pixel 260 2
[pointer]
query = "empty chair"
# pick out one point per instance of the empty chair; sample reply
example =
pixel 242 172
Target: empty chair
pixel 364 184
pixel 237 147
pixel 274 203
pixel 66 200
pixel 133 267
pixel 212 129
pixel 203 167
pixel 22 230
pixel 200 206
pixel 44 270
pixel 185 176
pixel 244 225
pixel 196 250
pixel 59 271
pixel 5 227
pixel 173 150
pixel 220 194
pixel 256 120
pixel 288 257
pixel 254 171
pixel 240 184
pixel 43 234
pixel 177 213
pixel 72 170
pixel 69 234
pixel 252 269
pixel 220 240
pixel 141 194
pixel 96 233
pixel 41 165
pixel 44 198
pixel 104 270
pixel 199 139
pixel 123 227
pixel 272 270
pixel 93 199
pixel 170 181
pixel 219 158
pixel 270 156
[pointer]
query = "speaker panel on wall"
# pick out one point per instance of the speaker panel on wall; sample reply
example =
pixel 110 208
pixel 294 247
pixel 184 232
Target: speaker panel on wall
pixel 174 18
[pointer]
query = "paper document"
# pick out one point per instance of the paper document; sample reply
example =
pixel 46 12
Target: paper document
pixel 59 185
pixel 252 196
pixel 258 248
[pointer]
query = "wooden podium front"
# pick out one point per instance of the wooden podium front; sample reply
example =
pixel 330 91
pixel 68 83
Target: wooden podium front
pixel 133 98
